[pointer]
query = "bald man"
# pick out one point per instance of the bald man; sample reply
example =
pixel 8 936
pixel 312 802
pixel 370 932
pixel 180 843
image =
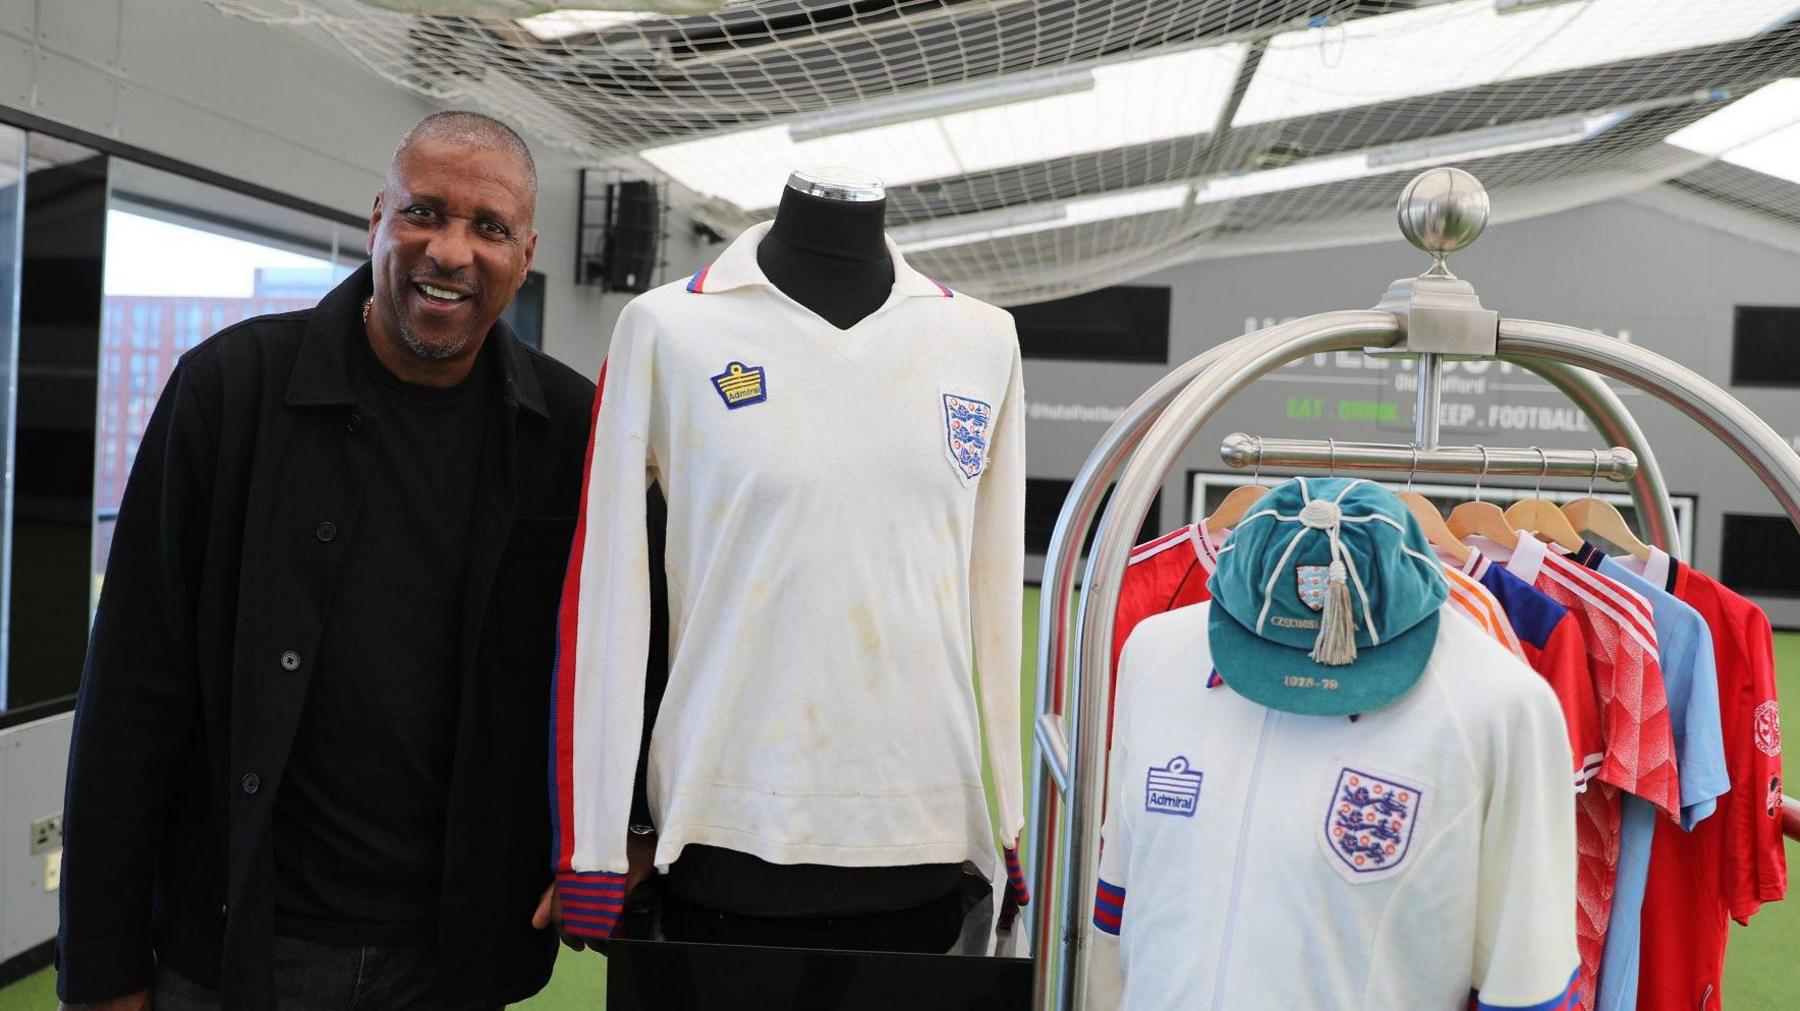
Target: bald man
pixel 307 766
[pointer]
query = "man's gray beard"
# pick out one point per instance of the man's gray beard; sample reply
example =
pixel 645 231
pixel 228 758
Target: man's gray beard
pixel 426 350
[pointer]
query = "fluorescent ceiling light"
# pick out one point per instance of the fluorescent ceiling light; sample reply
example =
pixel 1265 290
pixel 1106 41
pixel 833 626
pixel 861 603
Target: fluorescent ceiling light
pixel 941 102
pixel 557 25
pixel 1464 44
pixel 1755 117
pixel 1131 102
pixel 1776 155
pixel 1412 155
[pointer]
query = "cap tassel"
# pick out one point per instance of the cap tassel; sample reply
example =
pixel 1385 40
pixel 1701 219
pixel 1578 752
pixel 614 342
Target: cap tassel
pixel 1336 644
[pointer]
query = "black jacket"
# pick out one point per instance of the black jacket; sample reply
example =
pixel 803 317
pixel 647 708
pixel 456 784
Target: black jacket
pixel 241 503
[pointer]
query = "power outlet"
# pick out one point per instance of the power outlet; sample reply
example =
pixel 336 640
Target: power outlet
pixel 46 833
pixel 53 870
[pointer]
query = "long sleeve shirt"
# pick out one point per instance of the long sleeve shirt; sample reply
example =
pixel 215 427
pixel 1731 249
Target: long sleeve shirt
pixel 845 551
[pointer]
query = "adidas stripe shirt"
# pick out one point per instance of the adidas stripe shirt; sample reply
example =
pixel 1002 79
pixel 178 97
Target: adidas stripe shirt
pixel 1619 632
pixel 845 550
pixel 1418 856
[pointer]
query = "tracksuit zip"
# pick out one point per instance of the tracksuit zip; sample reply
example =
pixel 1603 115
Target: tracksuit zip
pixel 1237 870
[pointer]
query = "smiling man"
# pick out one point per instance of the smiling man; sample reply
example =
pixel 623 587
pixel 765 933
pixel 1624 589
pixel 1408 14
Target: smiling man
pixel 308 752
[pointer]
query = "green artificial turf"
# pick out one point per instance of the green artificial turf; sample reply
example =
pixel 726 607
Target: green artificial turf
pixel 1760 968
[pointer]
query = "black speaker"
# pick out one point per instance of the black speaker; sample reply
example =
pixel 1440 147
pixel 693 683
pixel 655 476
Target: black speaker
pixel 621 234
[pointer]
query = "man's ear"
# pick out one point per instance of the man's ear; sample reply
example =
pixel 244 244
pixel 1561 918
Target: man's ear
pixel 530 255
pixel 375 220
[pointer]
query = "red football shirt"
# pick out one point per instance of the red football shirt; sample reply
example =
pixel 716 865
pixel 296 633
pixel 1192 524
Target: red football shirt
pixel 1619 633
pixel 1168 572
pixel 1734 861
pixel 1551 637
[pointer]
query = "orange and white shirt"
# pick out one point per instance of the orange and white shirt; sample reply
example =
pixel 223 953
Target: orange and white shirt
pixel 1474 601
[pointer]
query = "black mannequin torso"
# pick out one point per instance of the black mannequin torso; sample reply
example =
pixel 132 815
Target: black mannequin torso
pixel 829 255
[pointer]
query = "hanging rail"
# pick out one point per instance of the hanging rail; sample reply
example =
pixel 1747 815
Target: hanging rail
pixel 1164 420
pixel 1240 450
pixel 1057 914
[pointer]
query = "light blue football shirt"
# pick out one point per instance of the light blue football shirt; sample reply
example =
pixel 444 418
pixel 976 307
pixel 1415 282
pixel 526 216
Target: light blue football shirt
pixel 1685 653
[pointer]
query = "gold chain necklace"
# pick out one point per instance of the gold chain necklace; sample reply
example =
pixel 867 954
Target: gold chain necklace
pixel 366 303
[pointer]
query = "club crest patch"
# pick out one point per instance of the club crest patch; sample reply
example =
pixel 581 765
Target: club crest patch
pixel 741 385
pixel 1370 824
pixel 1768 728
pixel 1310 584
pixel 1172 788
pixel 967 426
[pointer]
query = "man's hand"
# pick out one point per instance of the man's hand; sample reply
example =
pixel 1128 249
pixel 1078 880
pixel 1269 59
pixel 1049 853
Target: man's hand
pixel 139 1001
pixel 549 912
pixel 640 855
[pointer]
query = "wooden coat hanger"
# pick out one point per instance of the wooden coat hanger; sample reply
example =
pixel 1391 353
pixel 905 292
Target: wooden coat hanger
pixel 1595 516
pixel 1540 516
pixel 1430 520
pixel 1238 501
pixel 1480 518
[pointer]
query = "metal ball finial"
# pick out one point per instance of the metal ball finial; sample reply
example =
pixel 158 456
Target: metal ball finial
pixel 1443 210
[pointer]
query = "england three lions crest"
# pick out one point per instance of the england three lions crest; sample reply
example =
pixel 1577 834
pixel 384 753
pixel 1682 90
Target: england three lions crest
pixel 1369 826
pixel 968 424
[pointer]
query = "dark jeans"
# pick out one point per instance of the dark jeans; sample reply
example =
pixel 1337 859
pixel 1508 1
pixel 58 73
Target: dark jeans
pixel 310 976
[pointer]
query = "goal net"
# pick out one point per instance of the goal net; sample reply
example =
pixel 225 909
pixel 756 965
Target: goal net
pixel 1040 148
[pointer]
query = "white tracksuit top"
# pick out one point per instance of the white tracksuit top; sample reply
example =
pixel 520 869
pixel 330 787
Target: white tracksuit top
pixel 845 535
pixel 1229 878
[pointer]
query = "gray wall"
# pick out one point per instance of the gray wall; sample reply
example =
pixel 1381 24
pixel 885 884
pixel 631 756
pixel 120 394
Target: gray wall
pixel 1654 269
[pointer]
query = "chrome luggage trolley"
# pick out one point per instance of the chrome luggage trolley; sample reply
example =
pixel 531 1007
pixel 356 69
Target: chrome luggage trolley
pixel 1427 317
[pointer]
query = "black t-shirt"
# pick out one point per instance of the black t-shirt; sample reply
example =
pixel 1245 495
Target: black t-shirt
pixel 359 817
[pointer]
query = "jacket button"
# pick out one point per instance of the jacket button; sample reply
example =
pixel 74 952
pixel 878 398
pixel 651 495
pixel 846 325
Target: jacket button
pixel 252 783
pixel 327 530
pixel 290 661
pixel 354 425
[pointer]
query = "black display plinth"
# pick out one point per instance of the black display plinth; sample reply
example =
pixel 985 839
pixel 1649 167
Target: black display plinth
pixel 670 976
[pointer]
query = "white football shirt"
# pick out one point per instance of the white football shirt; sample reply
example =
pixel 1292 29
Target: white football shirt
pixel 845 552
pixel 1418 856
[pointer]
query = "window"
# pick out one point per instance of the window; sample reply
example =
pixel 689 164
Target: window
pixel 1765 346
pixel 58 350
pixel 118 269
pixel 13 168
pixel 188 260
pixel 1760 555
pixel 1121 324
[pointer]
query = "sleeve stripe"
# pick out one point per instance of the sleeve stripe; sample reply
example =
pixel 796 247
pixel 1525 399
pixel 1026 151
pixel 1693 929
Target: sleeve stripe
pixel 1109 907
pixel 1568 1000
pixel 562 696
pixel 571 906
pixel 591 903
pixel 1015 878
pixel 598 920
pixel 591 891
